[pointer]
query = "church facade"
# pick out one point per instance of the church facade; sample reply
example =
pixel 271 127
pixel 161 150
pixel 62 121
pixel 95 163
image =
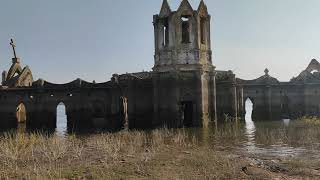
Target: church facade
pixel 184 89
pixel 180 91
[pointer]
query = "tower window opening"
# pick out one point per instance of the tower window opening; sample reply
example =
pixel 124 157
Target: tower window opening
pixel 165 32
pixel 203 30
pixel 185 29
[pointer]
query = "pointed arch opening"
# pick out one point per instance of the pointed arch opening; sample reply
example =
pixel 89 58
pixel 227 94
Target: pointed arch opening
pixel 15 74
pixel 187 109
pixel 21 113
pixel 185 26
pixel 285 112
pixel 21 116
pixel 248 109
pixel 203 30
pixel 62 119
pixel 165 31
pixel 187 113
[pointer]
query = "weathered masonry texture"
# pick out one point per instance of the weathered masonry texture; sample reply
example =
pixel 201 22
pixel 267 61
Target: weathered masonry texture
pixel 184 89
pixel 274 100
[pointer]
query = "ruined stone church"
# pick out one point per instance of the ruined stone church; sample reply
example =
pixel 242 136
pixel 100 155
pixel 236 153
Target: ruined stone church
pixel 184 88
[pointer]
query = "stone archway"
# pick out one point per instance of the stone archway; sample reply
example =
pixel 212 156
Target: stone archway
pixel 21 117
pixel 249 108
pixel 98 112
pixel 285 112
pixel 21 113
pixel 187 110
pixel 61 119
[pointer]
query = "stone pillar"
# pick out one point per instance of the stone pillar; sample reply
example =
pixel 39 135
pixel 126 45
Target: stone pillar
pixel 214 99
pixel 155 121
pixel 269 102
pixel 234 101
pixel 156 39
pixel 241 107
pixel 205 103
pixel 306 100
pixel 125 113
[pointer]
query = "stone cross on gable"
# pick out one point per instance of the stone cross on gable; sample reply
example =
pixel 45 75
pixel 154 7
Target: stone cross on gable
pixel 13 48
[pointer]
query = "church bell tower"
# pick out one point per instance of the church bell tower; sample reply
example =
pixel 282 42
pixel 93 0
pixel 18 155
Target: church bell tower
pixel 182 38
pixel 184 76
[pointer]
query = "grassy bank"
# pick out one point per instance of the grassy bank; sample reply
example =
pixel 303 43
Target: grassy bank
pixel 160 154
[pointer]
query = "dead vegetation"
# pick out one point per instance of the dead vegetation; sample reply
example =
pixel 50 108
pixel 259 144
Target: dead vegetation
pixel 157 154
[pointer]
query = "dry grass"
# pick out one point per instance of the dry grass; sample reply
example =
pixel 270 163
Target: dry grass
pixel 311 120
pixel 157 154
pixel 160 154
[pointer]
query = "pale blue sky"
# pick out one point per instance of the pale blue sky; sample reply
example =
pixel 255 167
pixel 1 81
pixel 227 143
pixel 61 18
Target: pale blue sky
pixel 62 40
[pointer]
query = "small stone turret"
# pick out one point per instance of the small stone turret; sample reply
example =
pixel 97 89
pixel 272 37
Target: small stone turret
pixel 4 76
pixel 17 76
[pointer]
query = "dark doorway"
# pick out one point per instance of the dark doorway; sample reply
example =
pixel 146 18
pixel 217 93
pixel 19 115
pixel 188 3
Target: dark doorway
pixel 187 113
pixel 285 114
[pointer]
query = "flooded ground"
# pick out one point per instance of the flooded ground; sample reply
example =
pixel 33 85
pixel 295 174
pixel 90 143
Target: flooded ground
pixel 286 149
pixel 267 149
pixel 269 139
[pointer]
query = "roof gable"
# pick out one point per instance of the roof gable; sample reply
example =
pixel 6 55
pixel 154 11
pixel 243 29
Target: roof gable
pixel 165 9
pixel 202 9
pixel 185 8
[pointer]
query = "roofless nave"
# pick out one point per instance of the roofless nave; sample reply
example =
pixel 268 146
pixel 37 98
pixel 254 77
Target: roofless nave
pixel 184 88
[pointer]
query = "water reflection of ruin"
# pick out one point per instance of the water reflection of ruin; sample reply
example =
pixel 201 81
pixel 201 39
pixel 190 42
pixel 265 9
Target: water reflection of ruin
pixel 184 88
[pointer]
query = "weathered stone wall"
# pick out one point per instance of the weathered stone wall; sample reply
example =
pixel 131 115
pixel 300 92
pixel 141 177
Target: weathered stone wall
pixel 272 102
pixel 85 107
pixel 139 94
pixel 227 95
pixel 173 91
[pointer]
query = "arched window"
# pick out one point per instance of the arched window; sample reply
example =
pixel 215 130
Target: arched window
pixel 165 31
pixel 203 30
pixel 21 113
pixel 185 25
pixel 61 119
